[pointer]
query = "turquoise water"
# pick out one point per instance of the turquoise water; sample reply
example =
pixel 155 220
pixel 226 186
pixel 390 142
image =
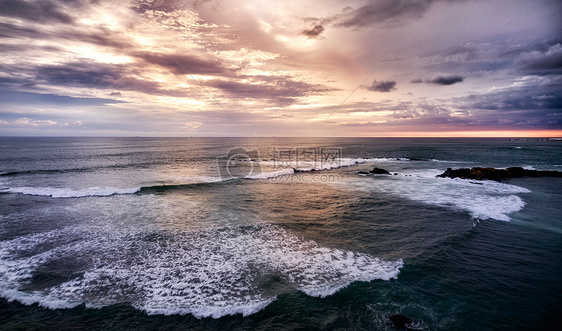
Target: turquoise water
pixel 144 233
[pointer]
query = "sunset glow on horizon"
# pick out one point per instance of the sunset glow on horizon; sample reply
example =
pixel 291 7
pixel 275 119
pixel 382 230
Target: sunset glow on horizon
pixel 380 68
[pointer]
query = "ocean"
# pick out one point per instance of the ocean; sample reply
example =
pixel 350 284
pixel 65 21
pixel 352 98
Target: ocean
pixel 277 234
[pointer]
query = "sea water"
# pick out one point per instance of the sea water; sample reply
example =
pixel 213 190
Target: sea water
pixel 289 233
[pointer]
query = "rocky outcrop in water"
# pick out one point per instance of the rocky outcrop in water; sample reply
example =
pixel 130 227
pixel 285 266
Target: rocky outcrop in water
pixel 497 174
pixel 379 171
pixel 376 171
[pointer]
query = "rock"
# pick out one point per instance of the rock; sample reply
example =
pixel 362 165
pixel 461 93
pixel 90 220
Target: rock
pixel 362 173
pixel 379 171
pixel 496 174
pixel 400 321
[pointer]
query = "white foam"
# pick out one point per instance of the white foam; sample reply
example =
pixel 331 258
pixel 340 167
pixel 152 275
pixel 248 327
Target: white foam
pixel 333 164
pixel 207 273
pixel 273 174
pixel 69 193
pixel 403 160
pixel 483 199
pixel 195 179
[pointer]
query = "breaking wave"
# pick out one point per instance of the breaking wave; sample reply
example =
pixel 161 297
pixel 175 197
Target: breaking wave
pixel 209 273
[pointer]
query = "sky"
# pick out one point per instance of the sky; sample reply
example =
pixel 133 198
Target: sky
pixel 375 68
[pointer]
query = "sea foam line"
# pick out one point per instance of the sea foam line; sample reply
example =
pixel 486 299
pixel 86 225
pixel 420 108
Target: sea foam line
pixel 69 193
pixel 483 199
pixel 208 273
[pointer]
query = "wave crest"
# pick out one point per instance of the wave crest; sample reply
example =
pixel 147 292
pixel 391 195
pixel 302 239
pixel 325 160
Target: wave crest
pixel 209 273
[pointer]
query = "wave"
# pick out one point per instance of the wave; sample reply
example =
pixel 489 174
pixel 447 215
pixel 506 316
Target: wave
pixel 79 169
pixel 207 273
pixel 317 166
pixel 193 181
pixel 69 193
pixel 483 199
pixel 333 164
pixel 273 174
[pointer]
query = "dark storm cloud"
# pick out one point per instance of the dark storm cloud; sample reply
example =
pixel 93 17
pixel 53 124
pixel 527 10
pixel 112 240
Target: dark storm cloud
pixel 15 97
pixel 377 12
pixel 98 36
pixel 11 81
pixel 280 91
pixel 383 11
pixel 535 104
pixel 382 86
pixel 106 76
pixel 8 30
pixel 542 62
pixel 171 5
pixel 37 11
pixel 540 95
pixel 81 74
pixel 314 32
pixel 183 64
pixel 541 58
pixel 446 80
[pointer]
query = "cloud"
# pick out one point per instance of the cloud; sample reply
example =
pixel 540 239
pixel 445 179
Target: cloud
pixel 276 90
pixel 172 5
pixel 542 62
pixel 314 32
pixel 382 86
pixel 191 126
pixel 363 124
pixel 35 11
pixel 183 64
pixel 530 103
pixel 102 76
pixel 93 35
pixel 383 11
pixel 416 81
pixel 115 94
pixel 517 98
pixel 81 74
pixel 15 97
pixel 527 103
pixel 8 30
pixel 445 80
pixel 24 121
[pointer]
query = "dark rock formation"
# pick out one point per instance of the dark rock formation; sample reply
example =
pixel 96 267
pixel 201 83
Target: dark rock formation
pixel 379 171
pixel 496 174
pixel 400 321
